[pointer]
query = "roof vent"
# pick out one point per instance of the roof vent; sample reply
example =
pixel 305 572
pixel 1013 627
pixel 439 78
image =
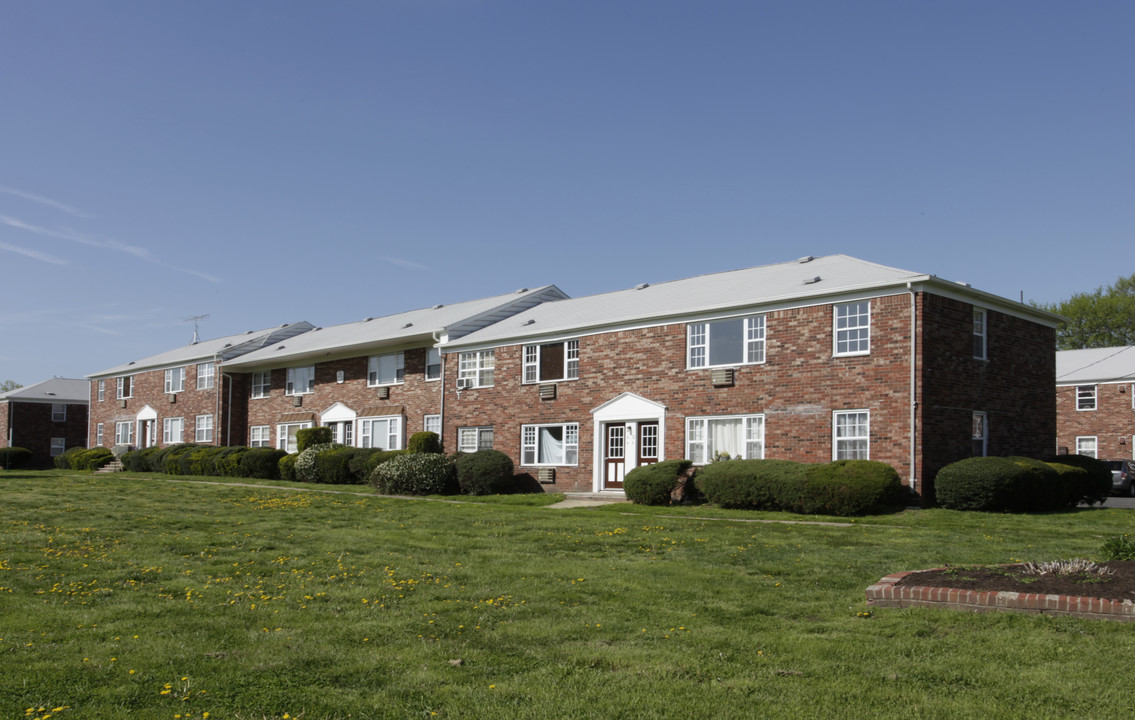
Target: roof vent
pixel 813 281
pixel 49 393
pixel 963 284
pixel 281 347
pixel 437 307
pixel 367 319
pixel 228 344
pixel 805 259
pixel 642 286
pixel 130 363
pixel 250 332
pixel 407 325
pixel 529 321
pixel 522 290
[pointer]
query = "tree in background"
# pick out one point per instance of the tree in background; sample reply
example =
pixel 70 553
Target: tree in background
pixel 8 385
pixel 1104 317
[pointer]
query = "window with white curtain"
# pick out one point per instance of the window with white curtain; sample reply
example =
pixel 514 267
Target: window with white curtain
pixel 851 431
pixel 1086 445
pixel 386 369
pixel 556 444
pixel 301 381
pixel 738 436
pixel 172 430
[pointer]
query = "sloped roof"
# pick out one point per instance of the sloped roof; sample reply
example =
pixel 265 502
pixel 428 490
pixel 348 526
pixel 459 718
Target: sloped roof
pixel 55 390
pixel 703 295
pixel 1095 365
pixel 225 347
pixel 414 326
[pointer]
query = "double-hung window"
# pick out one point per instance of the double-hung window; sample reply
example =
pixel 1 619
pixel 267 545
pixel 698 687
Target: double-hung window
pixel 205 374
pixel 433 364
pixel 125 387
pixel 58 412
pixel 432 423
pixel 549 444
pixel 261 383
pixel 175 380
pixel 260 436
pixel 980 333
pixel 733 341
pixel 381 432
pixel 1086 397
pixel 203 429
pixel 98 434
pixel 980 434
pixel 286 435
pixel 172 430
pixel 301 381
pixel 1086 445
pixel 851 435
pixel 58 445
pixel 472 439
pixel 551 362
pixel 102 390
pixel 475 369
pixel 123 432
pixel 734 436
pixel 853 328
pixel 386 369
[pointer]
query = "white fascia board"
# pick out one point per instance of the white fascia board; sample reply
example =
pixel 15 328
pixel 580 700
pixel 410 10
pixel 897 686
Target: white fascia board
pixel 321 355
pixel 980 298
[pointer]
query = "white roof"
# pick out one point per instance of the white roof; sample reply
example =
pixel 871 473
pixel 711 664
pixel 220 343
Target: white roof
pixel 55 390
pixel 399 330
pixel 717 293
pixel 225 347
pixel 1095 365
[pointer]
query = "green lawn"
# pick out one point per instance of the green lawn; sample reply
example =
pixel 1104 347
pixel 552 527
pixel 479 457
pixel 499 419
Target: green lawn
pixel 134 596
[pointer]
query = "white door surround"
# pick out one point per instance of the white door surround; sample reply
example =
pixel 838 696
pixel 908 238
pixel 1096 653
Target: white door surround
pixel 627 410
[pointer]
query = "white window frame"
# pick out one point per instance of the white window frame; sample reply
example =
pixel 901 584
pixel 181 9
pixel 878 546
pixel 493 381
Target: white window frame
pixel 532 355
pixel 284 434
pixel 1087 398
pixel 980 431
pixel 474 438
pixel 699 438
pixel 392 437
pixel 260 436
pixel 58 446
pixel 530 436
pixel 432 423
pixel 203 429
pixel 124 432
pixel 206 373
pixel 175 380
pixel 433 364
pixel 1082 445
pixel 476 368
pixel 841 449
pixel 58 412
pixel 980 334
pixel 98 434
pixel 848 339
pixel 102 390
pixel 302 375
pixel 261 384
pixel 125 389
pixel 388 369
pixel 699 342
pixel 173 430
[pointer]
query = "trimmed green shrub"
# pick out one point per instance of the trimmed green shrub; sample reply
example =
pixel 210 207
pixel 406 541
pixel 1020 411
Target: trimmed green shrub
pixel 848 487
pixel 287 467
pixel 333 465
pixel 654 484
pixel 12 458
pixel 999 484
pixel 171 459
pixel 1092 489
pixel 261 462
pixel 484 472
pixel 66 459
pixel 424 442
pixel 138 460
pixel 305 462
pixel 312 436
pixel 751 484
pixel 415 474
pixel 226 461
pixel 196 461
pixel 365 460
pixel 93 459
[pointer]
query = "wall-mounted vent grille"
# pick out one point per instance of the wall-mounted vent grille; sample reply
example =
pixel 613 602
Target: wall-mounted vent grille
pixel 548 391
pixel 546 476
pixel 297 400
pixel 722 377
pixel 172 398
pixel 383 393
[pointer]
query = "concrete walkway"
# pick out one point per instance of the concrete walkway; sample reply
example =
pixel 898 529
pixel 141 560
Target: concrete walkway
pixel 578 500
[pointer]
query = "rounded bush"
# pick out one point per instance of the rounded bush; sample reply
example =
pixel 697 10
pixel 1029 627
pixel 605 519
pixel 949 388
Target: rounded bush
pixel 12 458
pixel 654 484
pixel 306 469
pixel 365 460
pixel 848 487
pixel 333 465
pixel 66 459
pixel 750 484
pixel 138 460
pixel 287 467
pixel 92 459
pixel 999 484
pixel 424 442
pixel 171 459
pixel 312 436
pixel 484 472
pixel 196 460
pixel 416 474
pixel 261 462
pixel 226 462
pixel 1095 486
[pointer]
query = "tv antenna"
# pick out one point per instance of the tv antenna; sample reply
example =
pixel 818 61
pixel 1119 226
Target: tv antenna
pixel 195 320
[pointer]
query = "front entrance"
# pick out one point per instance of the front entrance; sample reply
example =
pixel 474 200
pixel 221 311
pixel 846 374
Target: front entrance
pixel 640 437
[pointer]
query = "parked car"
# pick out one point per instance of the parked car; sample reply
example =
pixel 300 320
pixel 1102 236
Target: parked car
pixel 1122 477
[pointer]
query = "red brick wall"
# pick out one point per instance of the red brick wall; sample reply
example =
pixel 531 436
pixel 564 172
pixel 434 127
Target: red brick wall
pixel 33 428
pixel 149 389
pixel 1112 422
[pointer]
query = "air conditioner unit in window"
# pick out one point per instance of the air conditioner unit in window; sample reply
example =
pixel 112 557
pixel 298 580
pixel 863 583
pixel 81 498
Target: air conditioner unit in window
pixel 172 398
pixel 722 377
pixel 464 383
pixel 546 476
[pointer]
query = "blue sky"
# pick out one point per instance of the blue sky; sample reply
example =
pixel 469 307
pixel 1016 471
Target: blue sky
pixel 269 162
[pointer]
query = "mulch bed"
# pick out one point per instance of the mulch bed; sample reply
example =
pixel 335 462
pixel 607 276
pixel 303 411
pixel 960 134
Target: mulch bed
pixel 1119 586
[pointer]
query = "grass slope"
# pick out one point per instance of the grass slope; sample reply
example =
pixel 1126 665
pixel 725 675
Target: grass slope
pixel 135 597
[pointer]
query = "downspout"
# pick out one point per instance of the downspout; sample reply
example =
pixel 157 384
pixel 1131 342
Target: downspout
pixel 441 405
pixel 913 386
pixel 90 391
pixel 217 394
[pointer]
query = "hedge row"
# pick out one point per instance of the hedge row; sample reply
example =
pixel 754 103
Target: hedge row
pixel 1017 484
pixel 78 458
pixel 13 458
pixel 209 460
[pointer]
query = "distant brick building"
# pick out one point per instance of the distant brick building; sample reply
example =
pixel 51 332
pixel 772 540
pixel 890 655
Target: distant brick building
pixel 46 418
pixel 1095 402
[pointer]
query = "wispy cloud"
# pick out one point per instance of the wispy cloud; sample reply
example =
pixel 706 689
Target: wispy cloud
pixel 34 254
pixel 405 263
pixel 97 329
pixel 45 201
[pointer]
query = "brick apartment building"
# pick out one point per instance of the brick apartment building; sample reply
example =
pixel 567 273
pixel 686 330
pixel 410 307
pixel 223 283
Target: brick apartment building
pixel 812 360
pixel 1095 402
pixel 46 418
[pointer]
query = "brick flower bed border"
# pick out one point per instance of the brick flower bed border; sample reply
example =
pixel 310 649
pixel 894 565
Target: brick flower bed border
pixel 888 593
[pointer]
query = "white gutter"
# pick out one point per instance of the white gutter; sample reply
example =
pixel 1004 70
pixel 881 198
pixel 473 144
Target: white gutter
pixel 913 385
pixel 441 404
